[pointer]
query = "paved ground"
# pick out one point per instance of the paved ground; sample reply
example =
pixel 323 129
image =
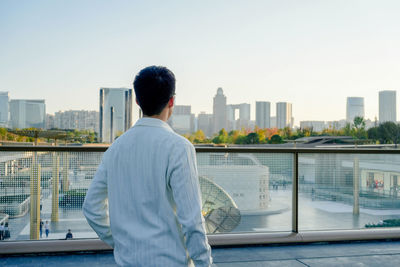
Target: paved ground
pixel 341 254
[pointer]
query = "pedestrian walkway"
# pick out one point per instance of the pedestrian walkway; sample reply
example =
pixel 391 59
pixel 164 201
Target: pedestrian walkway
pixel 379 254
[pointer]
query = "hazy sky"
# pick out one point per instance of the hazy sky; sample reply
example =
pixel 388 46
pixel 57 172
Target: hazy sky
pixel 310 53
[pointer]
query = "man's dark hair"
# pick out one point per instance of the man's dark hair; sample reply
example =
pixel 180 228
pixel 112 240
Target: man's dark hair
pixel 154 86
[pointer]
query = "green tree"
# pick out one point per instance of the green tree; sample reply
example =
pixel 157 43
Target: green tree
pixel 388 133
pixel 358 131
pixel 221 138
pixel 252 138
pixel 276 139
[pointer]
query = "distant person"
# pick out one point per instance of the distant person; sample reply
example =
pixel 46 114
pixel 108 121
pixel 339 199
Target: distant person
pixel 1 231
pixel 6 231
pixel 41 228
pixel 149 177
pixel 68 235
pixel 47 228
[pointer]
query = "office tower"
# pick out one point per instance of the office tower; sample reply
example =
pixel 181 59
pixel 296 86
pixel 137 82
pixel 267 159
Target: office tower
pixel 284 115
pixel 77 119
pixel 273 121
pixel 387 106
pixel 244 116
pixel 316 126
pixel 115 116
pixel 205 123
pixel 263 114
pixel 354 108
pixel 219 111
pixel 27 113
pixel 4 109
pixel 182 119
pixel 50 121
pixel 243 121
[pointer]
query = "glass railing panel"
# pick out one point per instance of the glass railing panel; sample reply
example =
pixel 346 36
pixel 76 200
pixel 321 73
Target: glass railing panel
pixel 241 192
pixel 245 192
pixel 45 187
pixel 348 191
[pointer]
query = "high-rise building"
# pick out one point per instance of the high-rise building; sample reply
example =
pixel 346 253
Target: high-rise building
pixel 273 121
pixel 205 123
pixel 354 108
pixel 50 121
pixel 316 126
pixel 243 121
pixel 284 115
pixel 77 119
pixel 27 113
pixel 263 114
pixel 115 116
pixel 182 119
pixel 219 111
pixel 4 109
pixel 387 106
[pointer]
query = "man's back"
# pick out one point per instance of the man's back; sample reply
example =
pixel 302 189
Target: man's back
pixel 148 173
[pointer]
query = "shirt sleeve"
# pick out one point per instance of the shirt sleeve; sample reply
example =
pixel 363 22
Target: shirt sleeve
pixel 95 206
pixel 183 180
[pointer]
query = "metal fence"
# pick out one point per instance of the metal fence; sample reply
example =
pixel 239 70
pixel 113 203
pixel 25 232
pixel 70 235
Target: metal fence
pixel 251 195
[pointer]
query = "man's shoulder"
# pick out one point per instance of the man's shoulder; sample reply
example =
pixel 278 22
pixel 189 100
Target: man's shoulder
pixel 179 140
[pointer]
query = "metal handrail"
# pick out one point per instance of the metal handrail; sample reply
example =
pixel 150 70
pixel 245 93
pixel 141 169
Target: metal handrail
pixel 204 149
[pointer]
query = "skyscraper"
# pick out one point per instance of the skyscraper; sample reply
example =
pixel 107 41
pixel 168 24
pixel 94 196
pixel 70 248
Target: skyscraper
pixel 4 109
pixel 219 111
pixel 284 115
pixel 182 119
pixel 354 108
pixel 77 119
pixel 234 123
pixel 115 112
pixel 387 106
pixel 263 114
pixel 27 113
pixel 204 122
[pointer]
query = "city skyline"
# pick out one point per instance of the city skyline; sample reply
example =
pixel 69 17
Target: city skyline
pixel 237 115
pixel 312 54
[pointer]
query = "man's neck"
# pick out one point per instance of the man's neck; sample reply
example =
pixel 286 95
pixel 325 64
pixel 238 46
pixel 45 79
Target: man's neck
pixel 162 116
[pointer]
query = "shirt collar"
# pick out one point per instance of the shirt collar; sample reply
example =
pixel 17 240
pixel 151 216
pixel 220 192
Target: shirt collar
pixel 152 122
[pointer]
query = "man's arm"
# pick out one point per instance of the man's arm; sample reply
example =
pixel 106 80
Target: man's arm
pixel 183 179
pixel 95 207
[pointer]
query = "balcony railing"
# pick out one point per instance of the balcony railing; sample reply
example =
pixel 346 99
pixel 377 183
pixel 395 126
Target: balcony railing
pixel 251 195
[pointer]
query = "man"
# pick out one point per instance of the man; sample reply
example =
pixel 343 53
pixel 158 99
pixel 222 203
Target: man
pixel 47 228
pixel 41 228
pixel 149 176
pixel 69 235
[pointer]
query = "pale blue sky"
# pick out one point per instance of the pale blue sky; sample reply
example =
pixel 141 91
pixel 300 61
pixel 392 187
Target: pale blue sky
pixel 311 53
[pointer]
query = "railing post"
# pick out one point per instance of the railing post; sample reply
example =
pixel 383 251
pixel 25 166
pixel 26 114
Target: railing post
pixel 65 166
pixel 356 185
pixel 295 194
pixel 35 198
pixel 55 182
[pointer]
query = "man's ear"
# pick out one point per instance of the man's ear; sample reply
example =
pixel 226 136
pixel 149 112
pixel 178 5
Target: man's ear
pixel 171 102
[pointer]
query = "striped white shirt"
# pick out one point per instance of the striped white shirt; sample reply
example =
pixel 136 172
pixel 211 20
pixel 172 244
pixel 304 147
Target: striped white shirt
pixel 153 213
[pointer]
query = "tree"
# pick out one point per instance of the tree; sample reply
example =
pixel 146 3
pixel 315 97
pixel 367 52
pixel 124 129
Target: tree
pixel 276 139
pixel 221 138
pixel 252 138
pixel 358 130
pixel 199 136
pixel 388 133
pixel 359 123
pixel 373 133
